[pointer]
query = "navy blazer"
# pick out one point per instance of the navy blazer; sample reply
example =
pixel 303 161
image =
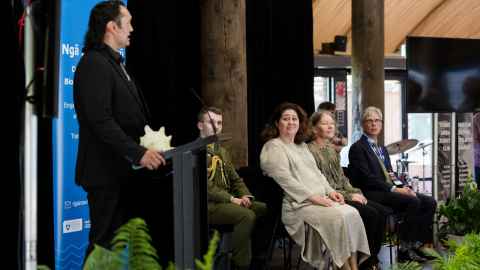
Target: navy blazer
pixel 364 168
pixel 112 115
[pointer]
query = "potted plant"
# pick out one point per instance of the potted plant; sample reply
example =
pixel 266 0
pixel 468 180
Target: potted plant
pixel 464 256
pixel 459 215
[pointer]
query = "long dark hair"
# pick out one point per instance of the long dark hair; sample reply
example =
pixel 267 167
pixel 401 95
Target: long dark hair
pixel 271 130
pixel 100 15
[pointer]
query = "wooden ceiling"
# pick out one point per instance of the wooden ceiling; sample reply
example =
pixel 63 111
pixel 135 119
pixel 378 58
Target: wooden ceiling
pixel 432 18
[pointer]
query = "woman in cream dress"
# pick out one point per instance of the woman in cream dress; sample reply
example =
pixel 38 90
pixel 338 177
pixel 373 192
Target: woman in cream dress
pixel 314 215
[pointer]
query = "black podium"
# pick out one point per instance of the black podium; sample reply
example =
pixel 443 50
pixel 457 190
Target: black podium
pixel 190 201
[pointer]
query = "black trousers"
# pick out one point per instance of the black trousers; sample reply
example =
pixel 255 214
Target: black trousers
pixel 417 213
pixel 144 194
pixel 108 211
pixel 374 218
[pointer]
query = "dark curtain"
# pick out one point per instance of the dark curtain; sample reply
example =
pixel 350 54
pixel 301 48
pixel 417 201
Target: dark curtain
pixel 279 62
pixel 12 78
pixel 164 58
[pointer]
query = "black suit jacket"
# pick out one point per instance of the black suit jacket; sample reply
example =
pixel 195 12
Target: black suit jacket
pixel 111 114
pixel 364 168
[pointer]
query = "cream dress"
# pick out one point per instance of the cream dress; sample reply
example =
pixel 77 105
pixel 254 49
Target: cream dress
pixel 339 228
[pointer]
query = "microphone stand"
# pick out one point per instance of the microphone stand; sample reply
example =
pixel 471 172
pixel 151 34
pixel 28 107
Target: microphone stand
pixel 219 137
pixel 208 113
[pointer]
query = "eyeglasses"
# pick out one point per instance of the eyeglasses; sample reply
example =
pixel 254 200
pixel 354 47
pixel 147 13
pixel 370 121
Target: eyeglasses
pixel 371 121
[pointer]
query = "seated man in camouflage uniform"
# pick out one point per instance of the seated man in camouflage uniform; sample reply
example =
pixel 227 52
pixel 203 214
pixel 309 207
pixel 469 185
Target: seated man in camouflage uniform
pixel 229 200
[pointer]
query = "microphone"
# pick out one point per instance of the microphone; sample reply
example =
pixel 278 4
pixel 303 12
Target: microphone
pixel 208 113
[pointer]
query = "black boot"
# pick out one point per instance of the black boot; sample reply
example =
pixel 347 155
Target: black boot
pixel 409 254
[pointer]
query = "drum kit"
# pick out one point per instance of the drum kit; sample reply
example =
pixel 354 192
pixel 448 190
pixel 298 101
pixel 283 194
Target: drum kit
pixel 403 147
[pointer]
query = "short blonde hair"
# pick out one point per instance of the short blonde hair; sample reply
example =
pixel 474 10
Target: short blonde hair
pixel 371 110
pixel 318 115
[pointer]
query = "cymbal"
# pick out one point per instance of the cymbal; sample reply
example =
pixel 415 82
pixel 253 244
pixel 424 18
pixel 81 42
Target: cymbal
pixel 424 143
pixel 420 145
pixel 401 146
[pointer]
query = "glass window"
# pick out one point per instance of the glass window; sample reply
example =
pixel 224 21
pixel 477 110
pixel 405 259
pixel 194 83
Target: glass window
pixel 420 126
pixel 392 114
pixel 320 89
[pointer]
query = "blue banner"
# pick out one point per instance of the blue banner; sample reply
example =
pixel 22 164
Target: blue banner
pixel 71 217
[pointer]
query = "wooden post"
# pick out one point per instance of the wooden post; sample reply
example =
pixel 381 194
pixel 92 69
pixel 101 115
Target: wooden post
pixel 224 69
pixel 367 59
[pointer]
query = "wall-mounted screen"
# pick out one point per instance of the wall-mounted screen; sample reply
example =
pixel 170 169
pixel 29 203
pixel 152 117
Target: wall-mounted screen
pixel 443 75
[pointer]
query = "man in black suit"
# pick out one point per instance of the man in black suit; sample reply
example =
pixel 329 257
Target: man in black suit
pixel 371 171
pixel 112 114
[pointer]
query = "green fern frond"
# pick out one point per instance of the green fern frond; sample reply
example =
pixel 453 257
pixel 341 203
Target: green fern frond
pixel 133 242
pixel 451 244
pixel 208 258
pixel 464 256
pixel 102 258
pixel 132 249
pixel 171 266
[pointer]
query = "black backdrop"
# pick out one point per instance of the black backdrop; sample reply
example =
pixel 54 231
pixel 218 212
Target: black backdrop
pixel 12 88
pixel 164 58
pixel 279 62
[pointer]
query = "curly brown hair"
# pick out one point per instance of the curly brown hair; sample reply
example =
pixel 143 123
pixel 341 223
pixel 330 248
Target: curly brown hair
pixel 271 130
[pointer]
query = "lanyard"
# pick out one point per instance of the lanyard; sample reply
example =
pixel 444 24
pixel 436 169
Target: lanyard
pixel 378 151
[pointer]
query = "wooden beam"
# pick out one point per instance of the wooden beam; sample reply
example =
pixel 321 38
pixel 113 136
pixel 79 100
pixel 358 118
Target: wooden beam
pixel 401 17
pixel 323 61
pixel 224 69
pixel 454 18
pixel 367 59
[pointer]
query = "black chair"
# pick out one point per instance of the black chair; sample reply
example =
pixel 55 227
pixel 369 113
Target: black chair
pixel 281 238
pixel 223 256
pixel 265 189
